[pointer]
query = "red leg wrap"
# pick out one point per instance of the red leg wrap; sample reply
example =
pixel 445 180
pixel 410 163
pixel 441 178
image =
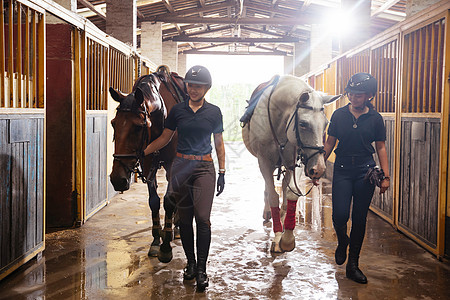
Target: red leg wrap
pixel 276 219
pixel 289 221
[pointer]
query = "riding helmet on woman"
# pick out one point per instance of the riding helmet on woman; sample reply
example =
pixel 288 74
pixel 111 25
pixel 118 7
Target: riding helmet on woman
pixel 362 83
pixel 198 75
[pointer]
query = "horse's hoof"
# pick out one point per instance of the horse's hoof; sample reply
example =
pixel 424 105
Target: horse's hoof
pixel 165 257
pixel 165 253
pixel 176 233
pixel 153 251
pixel 287 241
pixel 275 248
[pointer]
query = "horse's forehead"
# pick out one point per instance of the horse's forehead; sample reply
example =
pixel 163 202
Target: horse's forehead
pixel 315 100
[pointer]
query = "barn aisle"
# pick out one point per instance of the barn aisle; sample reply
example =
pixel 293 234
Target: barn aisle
pixel 107 257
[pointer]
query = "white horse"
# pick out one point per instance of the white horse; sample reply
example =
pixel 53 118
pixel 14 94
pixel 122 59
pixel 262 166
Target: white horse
pixel 287 130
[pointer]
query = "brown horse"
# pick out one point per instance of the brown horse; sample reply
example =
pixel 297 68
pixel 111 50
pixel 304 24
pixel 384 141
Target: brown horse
pixel 140 120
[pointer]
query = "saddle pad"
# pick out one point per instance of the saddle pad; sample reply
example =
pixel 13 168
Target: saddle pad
pixel 256 96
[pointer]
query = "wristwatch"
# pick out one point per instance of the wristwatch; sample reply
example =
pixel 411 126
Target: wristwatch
pixel 222 171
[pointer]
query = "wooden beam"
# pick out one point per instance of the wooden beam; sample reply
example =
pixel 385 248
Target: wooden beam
pixel 234 40
pixel 199 10
pixel 140 15
pixel 87 4
pixel 242 21
pixel 227 27
pixel 212 52
pixel 388 4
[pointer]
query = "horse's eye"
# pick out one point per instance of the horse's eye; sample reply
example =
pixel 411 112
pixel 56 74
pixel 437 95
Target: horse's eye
pixel 303 125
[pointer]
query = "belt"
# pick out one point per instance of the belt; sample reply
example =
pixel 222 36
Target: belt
pixel 354 160
pixel 205 157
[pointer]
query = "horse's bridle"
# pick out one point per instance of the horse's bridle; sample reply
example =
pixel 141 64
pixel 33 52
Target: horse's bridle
pixel 139 155
pixel 300 145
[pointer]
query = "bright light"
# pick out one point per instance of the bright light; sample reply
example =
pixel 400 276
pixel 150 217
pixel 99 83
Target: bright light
pixel 340 22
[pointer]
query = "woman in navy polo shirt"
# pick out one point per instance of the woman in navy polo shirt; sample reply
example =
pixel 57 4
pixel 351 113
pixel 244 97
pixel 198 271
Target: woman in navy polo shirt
pixel 356 126
pixel 193 175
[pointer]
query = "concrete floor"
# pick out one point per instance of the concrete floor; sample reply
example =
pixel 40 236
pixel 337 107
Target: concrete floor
pixel 107 257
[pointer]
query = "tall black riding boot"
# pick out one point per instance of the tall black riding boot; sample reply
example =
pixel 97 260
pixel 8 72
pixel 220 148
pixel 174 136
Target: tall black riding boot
pixel 187 240
pixel 203 242
pixel 352 270
pixel 340 255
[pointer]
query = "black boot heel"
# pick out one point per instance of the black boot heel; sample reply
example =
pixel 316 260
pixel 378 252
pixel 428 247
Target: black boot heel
pixel 354 273
pixel 202 281
pixel 190 271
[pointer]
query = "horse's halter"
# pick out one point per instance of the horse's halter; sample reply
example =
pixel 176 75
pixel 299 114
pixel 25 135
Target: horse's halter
pixel 139 154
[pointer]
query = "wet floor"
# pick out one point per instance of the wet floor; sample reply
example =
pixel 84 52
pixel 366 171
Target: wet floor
pixel 107 257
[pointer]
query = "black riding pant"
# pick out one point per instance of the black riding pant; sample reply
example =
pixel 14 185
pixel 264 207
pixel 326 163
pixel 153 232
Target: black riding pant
pixel 349 184
pixel 192 186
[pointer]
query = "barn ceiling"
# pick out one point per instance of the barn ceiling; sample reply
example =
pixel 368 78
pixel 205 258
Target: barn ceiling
pixel 268 27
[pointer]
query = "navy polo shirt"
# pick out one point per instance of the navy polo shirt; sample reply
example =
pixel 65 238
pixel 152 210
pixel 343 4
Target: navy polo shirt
pixel 195 128
pixel 356 141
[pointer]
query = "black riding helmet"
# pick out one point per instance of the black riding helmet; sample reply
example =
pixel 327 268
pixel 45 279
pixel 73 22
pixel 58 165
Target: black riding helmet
pixel 362 83
pixel 198 75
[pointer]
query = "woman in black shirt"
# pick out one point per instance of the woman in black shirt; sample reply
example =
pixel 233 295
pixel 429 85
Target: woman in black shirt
pixel 356 126
pixel 193 175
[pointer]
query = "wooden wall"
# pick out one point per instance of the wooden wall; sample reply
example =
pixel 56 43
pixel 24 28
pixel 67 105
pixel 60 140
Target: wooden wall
pixel 419 172
pixel 21 187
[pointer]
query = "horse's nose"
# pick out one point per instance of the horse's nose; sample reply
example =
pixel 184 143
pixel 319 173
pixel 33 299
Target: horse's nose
pixel 315 172
pixel 120 184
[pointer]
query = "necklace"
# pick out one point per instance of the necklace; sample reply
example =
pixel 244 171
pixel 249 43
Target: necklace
pixel 354 122
pixel 354 118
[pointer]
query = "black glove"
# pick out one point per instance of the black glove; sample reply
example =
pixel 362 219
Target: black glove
pixel 220 183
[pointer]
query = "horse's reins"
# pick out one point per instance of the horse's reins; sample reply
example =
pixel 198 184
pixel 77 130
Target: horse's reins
pixel 300 146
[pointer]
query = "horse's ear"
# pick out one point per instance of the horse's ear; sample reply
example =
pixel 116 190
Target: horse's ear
pixel 139 96
pixel 116 95
pixel 327 99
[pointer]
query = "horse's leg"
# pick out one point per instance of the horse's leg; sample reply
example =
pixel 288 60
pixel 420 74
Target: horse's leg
pixel 287 242
pixel 155 203
pixel 165 252
pixel 266 213
pixel 272 198
pixel 284 187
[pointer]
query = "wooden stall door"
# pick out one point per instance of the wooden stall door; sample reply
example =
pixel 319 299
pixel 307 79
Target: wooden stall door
pixel 96 177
